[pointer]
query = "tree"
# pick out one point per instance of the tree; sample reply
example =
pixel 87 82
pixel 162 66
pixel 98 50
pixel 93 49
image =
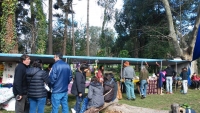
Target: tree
pixel 186 52
pixel 50 49
pixel 8 33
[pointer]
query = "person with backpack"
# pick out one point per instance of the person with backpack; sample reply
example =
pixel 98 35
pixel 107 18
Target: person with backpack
pixel 108 86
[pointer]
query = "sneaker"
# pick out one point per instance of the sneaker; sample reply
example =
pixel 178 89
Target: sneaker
pixel 73 111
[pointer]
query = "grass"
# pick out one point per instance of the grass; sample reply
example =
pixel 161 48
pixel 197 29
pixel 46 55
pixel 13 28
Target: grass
pixel 154 101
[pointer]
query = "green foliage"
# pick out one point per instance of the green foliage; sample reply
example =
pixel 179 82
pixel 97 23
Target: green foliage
pixel 8 8
pixel 124 53
pixel 41 27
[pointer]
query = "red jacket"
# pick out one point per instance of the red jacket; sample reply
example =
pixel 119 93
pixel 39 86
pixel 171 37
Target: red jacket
pixel 195 78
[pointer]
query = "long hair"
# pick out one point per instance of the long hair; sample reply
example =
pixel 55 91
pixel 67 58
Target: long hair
pixel 94 79
pixel 101 68
pixel 143 69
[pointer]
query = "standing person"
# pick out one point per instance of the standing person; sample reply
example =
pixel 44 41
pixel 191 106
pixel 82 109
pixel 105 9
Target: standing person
pixel 143 77
pixel 170 73
pixel 36 79
pixel 48 101
pixel 128 74
pixel 78 86
pixel 20 84
pixel 184 77
pixel 161 78
pixel 60 77
pixel 100 74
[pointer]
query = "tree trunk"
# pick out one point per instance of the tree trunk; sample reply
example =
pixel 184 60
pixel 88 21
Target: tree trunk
pixel 184 53
pixel 65 33
pixel 50 50
pixel 88 51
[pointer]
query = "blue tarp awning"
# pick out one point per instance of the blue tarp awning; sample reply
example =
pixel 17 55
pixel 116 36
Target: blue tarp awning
pixel 7 57
pixel 196 52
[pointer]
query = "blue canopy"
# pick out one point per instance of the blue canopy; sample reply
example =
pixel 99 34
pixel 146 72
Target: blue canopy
pixel 196 52
pixel 7 57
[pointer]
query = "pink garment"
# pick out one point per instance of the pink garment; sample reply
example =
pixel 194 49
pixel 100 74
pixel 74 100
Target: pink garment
pixel 164 73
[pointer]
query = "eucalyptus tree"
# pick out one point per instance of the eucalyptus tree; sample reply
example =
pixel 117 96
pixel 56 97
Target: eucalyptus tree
pixel 185 51
pixel 66 8
pixel 95 33
pixel 107 35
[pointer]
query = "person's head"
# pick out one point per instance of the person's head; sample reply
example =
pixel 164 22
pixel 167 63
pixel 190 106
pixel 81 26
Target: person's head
pixel 126 63
pixel 101 67
pixel 37 63
pixel 84 67
pixel 25 59
pixel 58 56
pixel 168 66
pixel 194 74
pixel 50 66
pixel 94 79
pixel 184 69
pixel 108 77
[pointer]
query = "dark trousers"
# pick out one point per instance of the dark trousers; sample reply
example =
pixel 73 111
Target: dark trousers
pixel 21 106
pixel 196 84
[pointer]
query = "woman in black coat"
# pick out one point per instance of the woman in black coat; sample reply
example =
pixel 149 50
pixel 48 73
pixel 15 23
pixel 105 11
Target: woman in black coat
pixel 36 79
pixel 78 86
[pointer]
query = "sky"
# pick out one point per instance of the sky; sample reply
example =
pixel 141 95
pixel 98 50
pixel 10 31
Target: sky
pixel 80 9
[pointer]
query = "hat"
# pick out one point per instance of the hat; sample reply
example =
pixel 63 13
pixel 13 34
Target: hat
pixel 126 63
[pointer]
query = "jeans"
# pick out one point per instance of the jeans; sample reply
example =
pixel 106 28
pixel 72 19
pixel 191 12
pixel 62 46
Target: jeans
pixel 57 99
pixel 77 106
pixel 143 87
pixel 20 105
pixel 169 84
pixel 185 86
pixel 129 89
pixel 37 105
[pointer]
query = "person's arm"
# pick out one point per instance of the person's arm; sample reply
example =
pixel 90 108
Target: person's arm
pixel 45 77
pixel 78 83
pixel 70 75
pixel 90 92
pixel 53 75
pixel 20 74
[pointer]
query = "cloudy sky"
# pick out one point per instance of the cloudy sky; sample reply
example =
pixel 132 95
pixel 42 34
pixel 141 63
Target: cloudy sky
pixel 80 8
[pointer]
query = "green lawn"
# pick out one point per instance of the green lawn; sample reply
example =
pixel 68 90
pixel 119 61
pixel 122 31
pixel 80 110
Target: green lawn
pixel 154 101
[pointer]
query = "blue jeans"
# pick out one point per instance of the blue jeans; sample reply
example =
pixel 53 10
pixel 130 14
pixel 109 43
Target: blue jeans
pixel 77 106
pixel 57 99
pixel 169 84
pixel 143 87
pixel 129 89
pixel 37 105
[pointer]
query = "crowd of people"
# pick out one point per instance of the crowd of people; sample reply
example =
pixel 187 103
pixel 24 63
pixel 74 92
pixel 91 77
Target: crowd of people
pixel 30 82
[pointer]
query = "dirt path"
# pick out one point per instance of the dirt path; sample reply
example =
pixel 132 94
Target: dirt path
pixel 124 108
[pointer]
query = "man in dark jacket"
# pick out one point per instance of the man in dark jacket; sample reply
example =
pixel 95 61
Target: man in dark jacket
pixel 170 73
pixel 20 84
pixel 60 77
